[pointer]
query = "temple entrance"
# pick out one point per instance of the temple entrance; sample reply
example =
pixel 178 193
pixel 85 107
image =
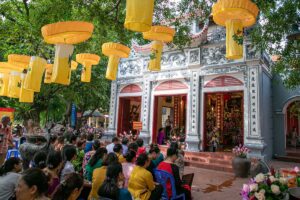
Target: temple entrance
pixel 293 125
pixel 223 120
pixel 129 112
pixel 169 117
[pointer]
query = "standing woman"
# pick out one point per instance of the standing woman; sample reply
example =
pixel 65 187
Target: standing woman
pixel 33 185
pixel 70 188
pixel 112 186
pixel 95 162
pixel 9 176
pixel 88 155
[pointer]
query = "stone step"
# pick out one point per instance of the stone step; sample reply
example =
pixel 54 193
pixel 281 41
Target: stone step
pixel 293 154
pixel 289 159
pixel 208 160
pixel 217 167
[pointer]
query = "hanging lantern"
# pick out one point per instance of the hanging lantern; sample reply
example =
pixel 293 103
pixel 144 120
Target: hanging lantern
pixel 87 60
pixel 64 35
pixel 26 96
pixel 139 15
pixel 114 51
pixel 235 15
pixel 4 78
pixel 74 65
pixel 21 61
pixel 14 84
pixel 158 34
pixel 48 73
pixel 34 74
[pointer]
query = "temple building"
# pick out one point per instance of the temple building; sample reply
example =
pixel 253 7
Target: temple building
pixel 200 91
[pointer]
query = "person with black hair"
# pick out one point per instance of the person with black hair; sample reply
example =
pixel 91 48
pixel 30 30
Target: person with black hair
pixel 88 155
pixel 99 174
pixel 157 156
pixel 89 143
pixel 59 143
pixel 111 188
pixel 141 184
pixel 54 164
pixel 118 151
pixel 73 139
pixel 69 154
pixel 9 176
pixel 133 147
pixel 110 147
pixel 128 165
pixel 125 142
pixel 95 162
pixel 169 166
pixel 32 185
pixel 141 149
pixel 70 188
pixel 39 160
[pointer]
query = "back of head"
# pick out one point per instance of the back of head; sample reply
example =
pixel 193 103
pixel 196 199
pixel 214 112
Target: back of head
pixel 109 188
pixel 130 156
pixel 90 137
pixel 69 151
pixel 99 154
pixel 9 165
pixel 174 145
pixel 117 148
pixel 54 159
pixel 171 152
pixel 36 177
pixel 125 141
pixel 96 144
pixel 73 181
pixel 133 146
pixel 140 142
pixel 39 159
pixel 110 159
pixel 115 140
pixel 142 159
pixel 154 148
pixel 73 138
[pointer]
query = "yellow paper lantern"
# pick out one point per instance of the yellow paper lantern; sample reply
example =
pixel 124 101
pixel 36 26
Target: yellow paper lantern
pixel 139 14
pixel 14 84
pixel 34 74
pixel 114 51
pixel 74 65
pixel 235 15
pixel 87 60
pixel 48 73
pixel 158 34
pixel 26 96
pixel 21 61
pixel 4 78
pixel 64 35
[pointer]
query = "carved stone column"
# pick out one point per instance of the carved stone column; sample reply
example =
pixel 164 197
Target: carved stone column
pixel 193 135
pixel 146 100
pixel 112 112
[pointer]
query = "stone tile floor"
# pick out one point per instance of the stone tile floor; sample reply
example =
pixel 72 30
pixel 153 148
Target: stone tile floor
pixel 215 185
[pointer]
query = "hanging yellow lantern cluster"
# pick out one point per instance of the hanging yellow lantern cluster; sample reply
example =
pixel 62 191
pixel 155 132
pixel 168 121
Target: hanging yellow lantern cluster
pixel 35 73
pixel 114 51
pixel 139 15
pixel 64 35
pixel 87 60
pixel 48 73
pixel 4 79
pixel 235 15
pixel 159 35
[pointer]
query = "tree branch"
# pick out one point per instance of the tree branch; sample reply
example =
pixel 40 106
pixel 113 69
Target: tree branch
pixel 115 7
pixel 8 17
pixel 26 7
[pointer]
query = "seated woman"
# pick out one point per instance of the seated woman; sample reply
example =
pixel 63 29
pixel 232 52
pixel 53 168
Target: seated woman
pixel 111 188
pixel 54 164
pixel 118 151
pixel 141 184
pixel 32 185
pixel 157 156
pixel 70 188
pixel 9 177
pixel 128 166
pixel 95 162
pixel 99 175
pixel 169 166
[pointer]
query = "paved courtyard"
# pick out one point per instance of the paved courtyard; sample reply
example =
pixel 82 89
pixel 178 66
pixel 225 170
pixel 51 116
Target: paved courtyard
pixel 213 185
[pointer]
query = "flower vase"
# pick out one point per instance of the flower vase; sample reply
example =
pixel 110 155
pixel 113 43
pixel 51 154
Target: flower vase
pixel 241 167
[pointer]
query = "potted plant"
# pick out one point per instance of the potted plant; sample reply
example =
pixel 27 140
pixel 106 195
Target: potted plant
pixel 240 163
pixel 264 187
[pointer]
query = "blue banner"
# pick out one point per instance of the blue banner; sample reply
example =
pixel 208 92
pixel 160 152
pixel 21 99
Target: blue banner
pixel 73 116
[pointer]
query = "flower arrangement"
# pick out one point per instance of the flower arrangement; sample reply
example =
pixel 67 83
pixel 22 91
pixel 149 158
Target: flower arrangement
pixel 265 187
pixel 240 151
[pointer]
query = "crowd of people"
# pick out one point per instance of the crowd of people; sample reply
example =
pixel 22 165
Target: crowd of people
pixel 84 167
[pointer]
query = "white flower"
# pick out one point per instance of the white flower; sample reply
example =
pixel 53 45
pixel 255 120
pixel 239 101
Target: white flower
pixel 272 179
pixel 246 188
pixel 283 180
pixel 253 187
pixel 259 178
pixel 296 169
pixel 260 195
pixel 275 189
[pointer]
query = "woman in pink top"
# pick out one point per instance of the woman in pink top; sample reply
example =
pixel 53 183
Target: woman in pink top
pixel 128 166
